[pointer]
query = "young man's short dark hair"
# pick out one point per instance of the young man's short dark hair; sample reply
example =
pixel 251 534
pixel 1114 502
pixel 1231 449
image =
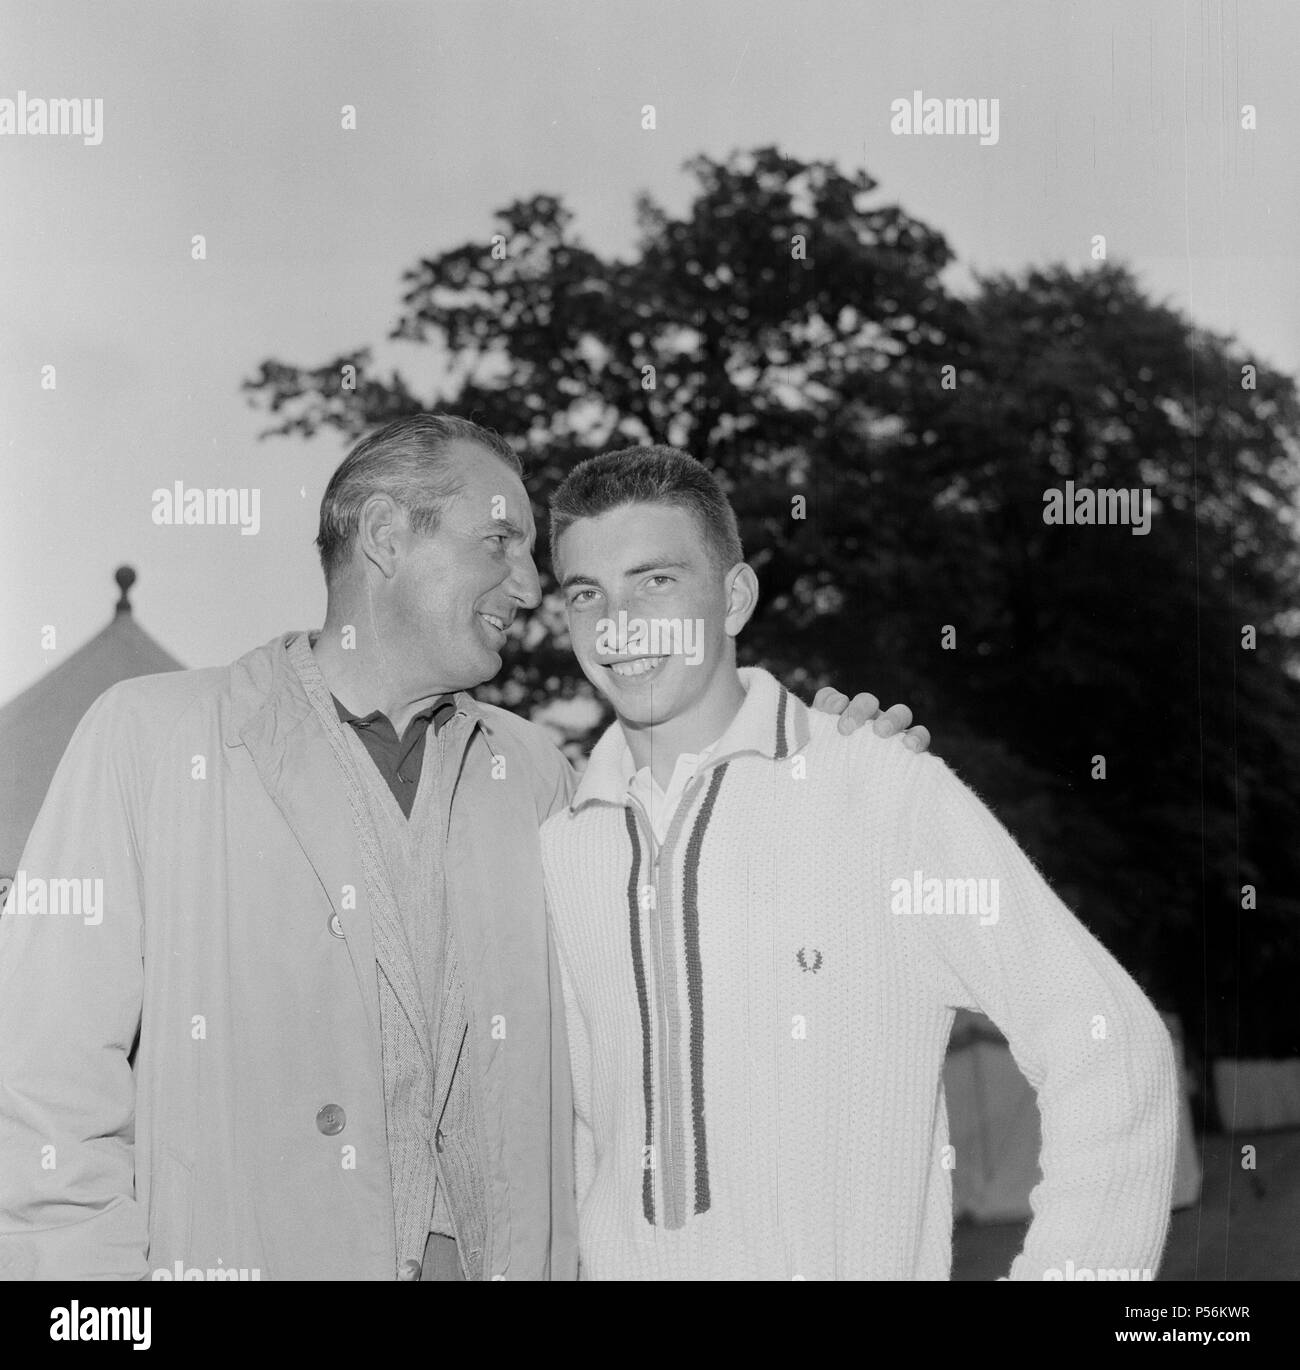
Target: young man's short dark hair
pixel 649 475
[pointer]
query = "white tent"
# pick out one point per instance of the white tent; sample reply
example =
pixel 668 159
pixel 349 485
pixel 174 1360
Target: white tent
pixel 36 726
pixel 993 1126
pixel 1257 1096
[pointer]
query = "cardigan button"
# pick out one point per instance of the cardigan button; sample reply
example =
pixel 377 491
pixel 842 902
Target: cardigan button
pixel 331 1120
pixel 336 925
pixel 437 1139
pixel 409 1270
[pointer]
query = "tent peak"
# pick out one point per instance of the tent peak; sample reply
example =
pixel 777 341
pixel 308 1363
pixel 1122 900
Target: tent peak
pixel 125 577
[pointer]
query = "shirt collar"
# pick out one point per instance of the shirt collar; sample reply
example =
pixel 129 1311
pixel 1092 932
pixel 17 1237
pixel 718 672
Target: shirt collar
pixel 424 716
pixel 692 760
pixel 771 723
pixel 306 664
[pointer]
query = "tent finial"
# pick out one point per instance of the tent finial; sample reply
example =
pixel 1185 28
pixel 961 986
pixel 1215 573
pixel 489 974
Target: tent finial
pixel 125 577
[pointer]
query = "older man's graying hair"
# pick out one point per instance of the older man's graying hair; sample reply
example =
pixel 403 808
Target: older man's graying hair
pixel 406 460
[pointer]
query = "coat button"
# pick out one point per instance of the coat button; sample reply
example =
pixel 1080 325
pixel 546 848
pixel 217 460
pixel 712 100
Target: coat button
pixel 409 1270
pixel 331 1120
pixel 336 925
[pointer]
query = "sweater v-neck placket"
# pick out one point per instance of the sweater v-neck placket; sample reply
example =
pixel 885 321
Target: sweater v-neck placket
pixel 666 995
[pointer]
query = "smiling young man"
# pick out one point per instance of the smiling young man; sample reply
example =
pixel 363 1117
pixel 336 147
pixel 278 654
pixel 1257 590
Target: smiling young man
pixel 764 929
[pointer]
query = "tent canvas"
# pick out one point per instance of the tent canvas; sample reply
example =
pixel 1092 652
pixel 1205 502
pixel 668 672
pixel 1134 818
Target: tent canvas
pixel 37 725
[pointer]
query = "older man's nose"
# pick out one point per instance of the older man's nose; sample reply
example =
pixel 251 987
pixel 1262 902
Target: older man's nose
pixel 524 584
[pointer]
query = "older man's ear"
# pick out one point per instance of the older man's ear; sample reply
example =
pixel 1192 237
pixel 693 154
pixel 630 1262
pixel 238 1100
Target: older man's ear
pixel 863 708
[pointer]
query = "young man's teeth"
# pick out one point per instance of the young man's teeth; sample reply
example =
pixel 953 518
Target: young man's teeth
pixel 497 623
pixel 636 667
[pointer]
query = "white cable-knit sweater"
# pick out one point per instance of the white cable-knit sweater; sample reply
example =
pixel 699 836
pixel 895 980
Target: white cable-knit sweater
pixel 758 1012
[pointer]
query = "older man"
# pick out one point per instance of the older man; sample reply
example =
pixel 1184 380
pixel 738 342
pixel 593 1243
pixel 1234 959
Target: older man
pixel 318 1031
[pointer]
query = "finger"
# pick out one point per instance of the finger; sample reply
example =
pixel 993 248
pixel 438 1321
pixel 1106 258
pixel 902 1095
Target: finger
pixel 895 720
pixel 862 709
pixel 917 739
pixel 829 700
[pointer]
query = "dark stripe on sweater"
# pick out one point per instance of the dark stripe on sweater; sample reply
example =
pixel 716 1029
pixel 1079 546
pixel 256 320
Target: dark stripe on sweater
pixel 643 1003
pixel 780 724
pixel 695 986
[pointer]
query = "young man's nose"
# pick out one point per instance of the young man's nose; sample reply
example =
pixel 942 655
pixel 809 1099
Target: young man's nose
pixel 617 607
pixel 635 604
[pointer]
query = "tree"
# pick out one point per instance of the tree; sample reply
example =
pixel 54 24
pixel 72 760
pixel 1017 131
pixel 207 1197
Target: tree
pixel 888 447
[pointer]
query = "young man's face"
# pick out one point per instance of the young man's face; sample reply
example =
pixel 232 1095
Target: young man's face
pixel 648 609
pixel 475 566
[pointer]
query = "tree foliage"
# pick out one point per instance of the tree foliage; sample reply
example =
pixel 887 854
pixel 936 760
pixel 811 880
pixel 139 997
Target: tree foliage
pixel 799 332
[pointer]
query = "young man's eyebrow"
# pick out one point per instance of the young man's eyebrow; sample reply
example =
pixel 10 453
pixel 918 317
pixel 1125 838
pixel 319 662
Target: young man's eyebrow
pixel 657 566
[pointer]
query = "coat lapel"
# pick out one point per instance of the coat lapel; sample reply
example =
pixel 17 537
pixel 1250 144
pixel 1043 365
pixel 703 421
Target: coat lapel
pixel 454 1019
pixel 273 719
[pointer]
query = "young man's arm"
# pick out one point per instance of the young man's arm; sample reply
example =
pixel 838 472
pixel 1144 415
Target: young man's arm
pixel 1083 1034
pixel 70 1001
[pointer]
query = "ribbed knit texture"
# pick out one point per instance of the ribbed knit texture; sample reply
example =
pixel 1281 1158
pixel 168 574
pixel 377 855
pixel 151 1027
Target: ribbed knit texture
pixel 758 1036
pixel 421 1006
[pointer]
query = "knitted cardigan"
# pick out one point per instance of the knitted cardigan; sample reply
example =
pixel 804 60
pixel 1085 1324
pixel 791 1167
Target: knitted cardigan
pixel 421 1001
pixel 759 1010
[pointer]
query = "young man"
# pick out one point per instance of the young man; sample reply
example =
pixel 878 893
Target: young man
pixel 763 931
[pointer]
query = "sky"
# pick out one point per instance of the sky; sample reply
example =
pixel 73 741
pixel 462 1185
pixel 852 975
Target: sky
pixel 225 120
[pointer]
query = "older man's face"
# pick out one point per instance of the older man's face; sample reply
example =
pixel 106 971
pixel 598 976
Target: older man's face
pixel 459 588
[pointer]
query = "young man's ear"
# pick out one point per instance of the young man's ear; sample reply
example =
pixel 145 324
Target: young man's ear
pixel 742 597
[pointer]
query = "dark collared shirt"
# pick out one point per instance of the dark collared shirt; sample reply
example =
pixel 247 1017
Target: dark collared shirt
pixel 400 760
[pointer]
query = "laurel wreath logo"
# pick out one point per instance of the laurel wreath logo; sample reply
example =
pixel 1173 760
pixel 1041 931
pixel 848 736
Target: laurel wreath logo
pixel 803 960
